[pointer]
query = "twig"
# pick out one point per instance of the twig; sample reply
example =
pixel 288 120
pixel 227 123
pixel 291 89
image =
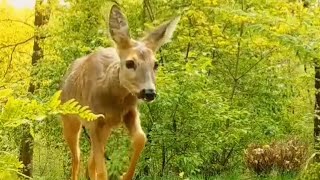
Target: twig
pixel 18 21
pixel 309 159
pixel 10 62
pixel 235 80
pixel 17 44
pixel 254 65
pixel 228 69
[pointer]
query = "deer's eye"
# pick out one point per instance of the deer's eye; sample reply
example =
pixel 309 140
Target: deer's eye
pixel 156 65
pixel 130 64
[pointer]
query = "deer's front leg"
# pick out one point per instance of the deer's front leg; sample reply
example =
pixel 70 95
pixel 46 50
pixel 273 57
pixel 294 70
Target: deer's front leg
pixel 99 135
pixel 138 137
pixel 71 132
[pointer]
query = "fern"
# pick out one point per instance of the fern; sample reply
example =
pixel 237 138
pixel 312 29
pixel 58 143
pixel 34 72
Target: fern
pixel 17 111
pixel 73 107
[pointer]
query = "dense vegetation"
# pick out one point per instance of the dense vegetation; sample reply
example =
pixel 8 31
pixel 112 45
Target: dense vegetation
pixel 237 96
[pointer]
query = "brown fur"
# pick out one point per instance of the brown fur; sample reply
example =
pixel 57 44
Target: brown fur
pixel 102 81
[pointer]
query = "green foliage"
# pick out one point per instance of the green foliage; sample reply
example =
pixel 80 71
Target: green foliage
pixel 9 166
pixel 191 141
pixel 23 110
pixel 235 73
pixel 18 111
pixel 312 172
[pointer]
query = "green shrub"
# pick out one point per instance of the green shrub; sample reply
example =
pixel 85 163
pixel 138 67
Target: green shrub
pixel 311 173
pixel 285 157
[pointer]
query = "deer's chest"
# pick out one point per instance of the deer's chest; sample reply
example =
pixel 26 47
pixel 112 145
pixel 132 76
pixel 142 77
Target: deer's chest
pixel 113 108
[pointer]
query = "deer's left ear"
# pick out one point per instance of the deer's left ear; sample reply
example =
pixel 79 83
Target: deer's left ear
pixel 161 34
pixel 119 28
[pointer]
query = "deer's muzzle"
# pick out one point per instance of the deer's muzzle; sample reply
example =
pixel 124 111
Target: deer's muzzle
pixel 148 94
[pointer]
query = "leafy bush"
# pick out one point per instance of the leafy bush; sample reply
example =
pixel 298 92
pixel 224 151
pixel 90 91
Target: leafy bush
pixel 260 158
pixel 283 156
pixel 9 166
pixel 290 156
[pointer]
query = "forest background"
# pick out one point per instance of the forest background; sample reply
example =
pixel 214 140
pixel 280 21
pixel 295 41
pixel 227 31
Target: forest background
pixel 238 88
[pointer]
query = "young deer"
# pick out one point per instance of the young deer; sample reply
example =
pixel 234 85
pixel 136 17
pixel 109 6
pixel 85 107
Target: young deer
pixel 111 82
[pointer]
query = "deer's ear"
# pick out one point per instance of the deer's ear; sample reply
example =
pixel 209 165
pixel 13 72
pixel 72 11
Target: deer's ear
pixel 161 35
pixel 119 28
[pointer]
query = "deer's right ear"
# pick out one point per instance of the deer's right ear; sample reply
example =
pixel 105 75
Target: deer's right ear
pixel 119 28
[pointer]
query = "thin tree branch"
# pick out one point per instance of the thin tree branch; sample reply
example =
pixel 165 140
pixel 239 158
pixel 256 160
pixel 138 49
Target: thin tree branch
pixel 10 62
pixel 235 84
pixel 228 69
pixel 187 53
pixel 18 21
pixel 226 158
pixel 17 44
pixel 239 51
pixel 254 65
pixel 149 9
pixel 181 152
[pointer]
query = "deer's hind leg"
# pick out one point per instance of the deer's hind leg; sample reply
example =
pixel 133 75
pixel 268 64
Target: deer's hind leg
pixel 138 137
pixel 71 133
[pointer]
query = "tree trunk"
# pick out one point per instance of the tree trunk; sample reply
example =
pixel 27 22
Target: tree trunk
pixel 316 119
pixel 27 141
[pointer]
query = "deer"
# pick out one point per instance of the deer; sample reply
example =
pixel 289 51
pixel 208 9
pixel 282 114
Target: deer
pixel 112 81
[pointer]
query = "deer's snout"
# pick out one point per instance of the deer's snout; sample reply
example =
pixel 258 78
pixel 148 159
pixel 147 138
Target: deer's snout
pixel 148 94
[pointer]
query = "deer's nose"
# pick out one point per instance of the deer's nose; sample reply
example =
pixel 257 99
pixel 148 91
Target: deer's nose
pixel 149 94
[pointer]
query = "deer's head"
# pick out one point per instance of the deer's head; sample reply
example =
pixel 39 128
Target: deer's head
pixel 138 63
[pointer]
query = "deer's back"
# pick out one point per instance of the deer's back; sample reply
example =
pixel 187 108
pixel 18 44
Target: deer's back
pixel 82 78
